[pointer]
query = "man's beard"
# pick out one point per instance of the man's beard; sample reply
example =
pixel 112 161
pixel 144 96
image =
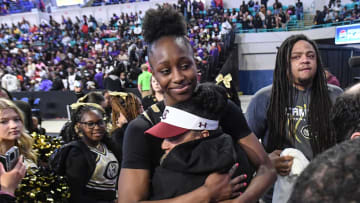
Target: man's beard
pixel 305 82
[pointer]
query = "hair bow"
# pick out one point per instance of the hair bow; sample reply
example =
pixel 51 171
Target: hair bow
pixel 82 99
pixel 75 106
pixel 123 95
pixel 226 80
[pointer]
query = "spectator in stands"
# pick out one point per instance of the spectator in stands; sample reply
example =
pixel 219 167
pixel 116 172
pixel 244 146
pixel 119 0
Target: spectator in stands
pixel 331 3
pixel 332 176
pixel 57 84
pixel 299 10
pixel 225 26
pixel 356 9
pixel 262 13
pixel 144 81
pixel 124 81
pixel 339 17
pixel 257 7
pixel 281 19
pixel 219 4
pixel 10 82
pixel 338 7
pixel 214 51
pixel 269 20
pixel 99 77
pixel 112 82
pixel 264 2
pixel 124 58
pixel 157 94
pixel 330 16
pixel 276 6
pixel 318 18
pixel 352 17
pixel 137 30
pixel 247 21
pixel 244 7
pixel 71 78
pixel 45 84
pixel 257 22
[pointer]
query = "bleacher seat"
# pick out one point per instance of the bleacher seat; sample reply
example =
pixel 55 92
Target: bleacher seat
pixel 25 99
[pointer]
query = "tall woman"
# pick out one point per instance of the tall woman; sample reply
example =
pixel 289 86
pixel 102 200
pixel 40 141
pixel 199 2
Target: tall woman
pixel 172 60
pixel 91 167
pixel 12 132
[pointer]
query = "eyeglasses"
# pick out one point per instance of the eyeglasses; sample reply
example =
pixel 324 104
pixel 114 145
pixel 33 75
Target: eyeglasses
pixel 100 123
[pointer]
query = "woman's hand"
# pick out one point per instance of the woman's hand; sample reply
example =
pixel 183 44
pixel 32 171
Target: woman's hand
pixel 11 179
pixel 222 187
pixel 282 164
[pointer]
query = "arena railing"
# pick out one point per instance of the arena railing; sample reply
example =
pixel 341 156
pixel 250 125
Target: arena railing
pixel 297 27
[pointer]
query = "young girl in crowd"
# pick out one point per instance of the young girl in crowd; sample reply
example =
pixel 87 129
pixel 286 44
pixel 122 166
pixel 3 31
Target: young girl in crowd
pixel 12 133
pixel 67 132
pixel 172 60
pixel 92 167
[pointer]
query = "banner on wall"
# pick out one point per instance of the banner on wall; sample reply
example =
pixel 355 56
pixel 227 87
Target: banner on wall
pixel 348 34
pixel 69 2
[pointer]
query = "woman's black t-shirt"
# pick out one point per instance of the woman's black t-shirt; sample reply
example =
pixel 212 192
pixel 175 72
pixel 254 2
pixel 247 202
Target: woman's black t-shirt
pixel 143 151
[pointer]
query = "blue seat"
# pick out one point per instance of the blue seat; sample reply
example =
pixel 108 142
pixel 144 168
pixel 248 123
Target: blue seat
pixel 37 101
pixel 25 99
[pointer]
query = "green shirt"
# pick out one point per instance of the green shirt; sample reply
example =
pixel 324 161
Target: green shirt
pixel 144 80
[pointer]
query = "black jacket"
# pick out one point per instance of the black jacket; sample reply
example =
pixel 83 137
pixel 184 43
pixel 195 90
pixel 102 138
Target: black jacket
pixel 187 166
pixel 4 198
pixel 80 166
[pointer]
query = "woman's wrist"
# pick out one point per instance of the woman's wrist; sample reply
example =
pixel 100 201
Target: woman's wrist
pixel 8 191
pixel 206 193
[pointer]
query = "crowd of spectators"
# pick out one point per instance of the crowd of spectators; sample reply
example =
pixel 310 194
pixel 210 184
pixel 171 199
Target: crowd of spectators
pixel 336 12
pixel 258 15
pixel 109 2
pixel 17 6
pixel 80 54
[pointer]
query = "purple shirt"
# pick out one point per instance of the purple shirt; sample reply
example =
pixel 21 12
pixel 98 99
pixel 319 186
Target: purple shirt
pixel 99 80
pixel 45 85
pixel 200 52
pixel 214 52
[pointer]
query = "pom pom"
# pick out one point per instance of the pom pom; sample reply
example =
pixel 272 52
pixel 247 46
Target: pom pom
pixel 42 185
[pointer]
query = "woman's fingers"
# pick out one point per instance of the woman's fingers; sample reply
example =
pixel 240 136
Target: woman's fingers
pixel 233 169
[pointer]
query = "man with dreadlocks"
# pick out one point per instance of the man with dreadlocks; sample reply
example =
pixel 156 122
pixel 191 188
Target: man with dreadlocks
pixel 294 110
